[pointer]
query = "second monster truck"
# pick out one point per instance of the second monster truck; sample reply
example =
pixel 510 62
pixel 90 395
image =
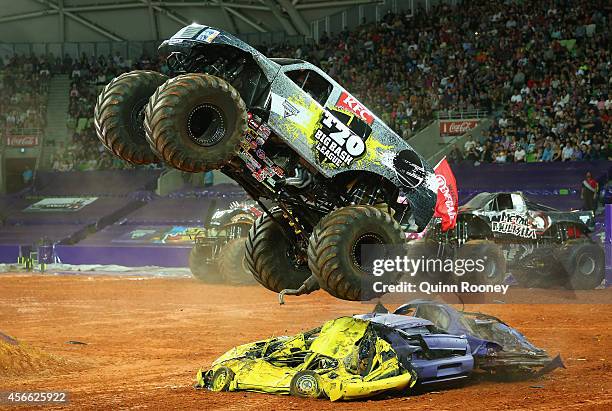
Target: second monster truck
pixel 338 177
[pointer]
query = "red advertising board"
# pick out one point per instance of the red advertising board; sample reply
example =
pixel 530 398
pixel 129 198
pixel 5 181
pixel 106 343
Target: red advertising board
pixel 22 141
pixel 456 127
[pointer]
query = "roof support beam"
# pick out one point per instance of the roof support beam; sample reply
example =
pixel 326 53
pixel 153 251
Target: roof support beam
pixel 228 5
pixel 276 11
pixel 340 3
pixel 106 7
pixel 170 14
pixel 247 20
pixel 85 22
pixel 62 21
pixel 153 22
pixel 296 17
pixel 228 17
pixel 25 16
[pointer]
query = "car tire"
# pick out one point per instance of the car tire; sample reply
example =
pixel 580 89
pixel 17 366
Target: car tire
pixel 269 253
pixel 201 270
pixel 583 263
pixel 495 264
pixel 222 379
pixel 306 384
pixel 333 251
pixel 195 122
pixel 232 263
pixel 119 115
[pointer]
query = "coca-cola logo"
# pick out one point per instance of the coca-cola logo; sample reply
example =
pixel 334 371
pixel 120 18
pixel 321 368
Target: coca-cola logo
pixel 22 141
pixel 449 202
pixel 457 127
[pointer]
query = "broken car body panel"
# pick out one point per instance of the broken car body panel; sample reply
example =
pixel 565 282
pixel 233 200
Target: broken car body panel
pixel 348 358
pixel 494 344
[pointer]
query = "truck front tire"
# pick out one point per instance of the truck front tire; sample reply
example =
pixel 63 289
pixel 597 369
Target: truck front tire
pixel 119 115
pixel 196 122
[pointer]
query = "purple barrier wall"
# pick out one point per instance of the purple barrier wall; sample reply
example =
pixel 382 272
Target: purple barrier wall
pixel 128 256
pixel 95 183
pixel 9 253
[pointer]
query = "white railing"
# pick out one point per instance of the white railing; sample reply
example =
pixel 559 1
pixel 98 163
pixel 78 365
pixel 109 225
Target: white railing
pixel 461 114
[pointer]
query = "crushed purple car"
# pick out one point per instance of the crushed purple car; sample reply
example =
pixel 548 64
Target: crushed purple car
pixel 496 347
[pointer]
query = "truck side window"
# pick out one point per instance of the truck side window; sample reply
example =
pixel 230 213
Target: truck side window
pixel 504 202
pixel 312 83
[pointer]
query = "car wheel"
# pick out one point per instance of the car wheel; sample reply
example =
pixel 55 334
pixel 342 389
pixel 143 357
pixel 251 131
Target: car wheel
pixel 334 251
pixel 306 384
pixel 222 379
pixel 196 122
pixel 270 253
pixel 232 263
pixel 119 115
pixel 583 263
pixel 201 269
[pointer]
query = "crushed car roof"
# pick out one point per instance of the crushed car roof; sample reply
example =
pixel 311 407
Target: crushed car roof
pixel 401 322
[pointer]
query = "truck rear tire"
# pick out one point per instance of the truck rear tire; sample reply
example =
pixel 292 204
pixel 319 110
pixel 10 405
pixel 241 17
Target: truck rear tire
pixel 495 264
pixel 202 270
pixel 334 252
pixel 232 263
pixel 430 252
pixel 195 122
pixel 583 263
pixel 119 115
pixel 270 254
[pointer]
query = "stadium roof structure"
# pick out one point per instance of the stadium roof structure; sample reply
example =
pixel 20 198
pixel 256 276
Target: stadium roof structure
pixel 49 21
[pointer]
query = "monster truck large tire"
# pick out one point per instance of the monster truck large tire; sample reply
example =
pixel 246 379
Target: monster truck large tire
pixel 495 264
pixel 201 270
pixel 119 115
pixel 195 122
pixel 334 252
pixel 270 255
pixel 232 263
pixel 433 256
pixel 583 263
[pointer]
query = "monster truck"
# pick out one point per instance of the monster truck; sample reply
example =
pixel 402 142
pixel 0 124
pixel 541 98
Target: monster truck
pixel 534 242
pixel 338 177
pixel 219 250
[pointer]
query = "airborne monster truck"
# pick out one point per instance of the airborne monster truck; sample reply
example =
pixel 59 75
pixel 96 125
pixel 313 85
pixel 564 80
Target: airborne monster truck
pixel 286 132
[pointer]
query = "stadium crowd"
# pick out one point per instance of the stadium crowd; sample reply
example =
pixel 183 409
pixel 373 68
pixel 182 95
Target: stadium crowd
pixel 541 68
pixel 88 75
pixel 23 90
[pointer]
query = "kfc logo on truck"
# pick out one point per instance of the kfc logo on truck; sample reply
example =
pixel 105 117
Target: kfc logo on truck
pixel 350 103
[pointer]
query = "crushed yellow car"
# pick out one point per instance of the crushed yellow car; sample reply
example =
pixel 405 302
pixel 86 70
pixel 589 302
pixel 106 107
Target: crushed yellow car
pixel 342 360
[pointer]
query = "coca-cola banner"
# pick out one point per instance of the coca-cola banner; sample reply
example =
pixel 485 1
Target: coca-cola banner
pixel 457 127
pixel 22 141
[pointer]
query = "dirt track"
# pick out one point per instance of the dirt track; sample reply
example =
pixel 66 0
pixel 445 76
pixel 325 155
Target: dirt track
pixel 146 338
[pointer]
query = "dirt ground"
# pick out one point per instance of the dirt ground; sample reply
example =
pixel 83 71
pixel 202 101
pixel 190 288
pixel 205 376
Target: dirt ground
pixel 146 338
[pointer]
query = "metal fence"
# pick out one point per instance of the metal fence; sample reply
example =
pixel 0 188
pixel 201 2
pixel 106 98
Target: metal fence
pixel 461 114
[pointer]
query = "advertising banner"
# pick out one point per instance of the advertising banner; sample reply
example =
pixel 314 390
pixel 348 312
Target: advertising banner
pixel 60 204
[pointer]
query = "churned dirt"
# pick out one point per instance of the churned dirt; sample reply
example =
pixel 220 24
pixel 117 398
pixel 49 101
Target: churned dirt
pixel 129 342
